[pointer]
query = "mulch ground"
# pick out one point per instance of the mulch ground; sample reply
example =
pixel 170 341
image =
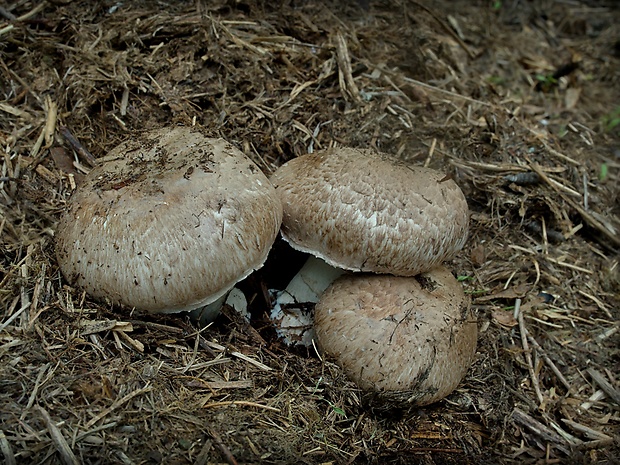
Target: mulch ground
pixel 518 101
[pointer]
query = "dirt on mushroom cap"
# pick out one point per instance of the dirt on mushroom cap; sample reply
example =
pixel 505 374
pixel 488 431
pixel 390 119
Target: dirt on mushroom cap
pixel 366 211
pixel 170 223
pixel 409 339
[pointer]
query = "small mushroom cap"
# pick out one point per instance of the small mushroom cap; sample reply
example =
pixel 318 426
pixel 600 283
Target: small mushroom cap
pixel 366 211
pixel 407 339
pixel 169 224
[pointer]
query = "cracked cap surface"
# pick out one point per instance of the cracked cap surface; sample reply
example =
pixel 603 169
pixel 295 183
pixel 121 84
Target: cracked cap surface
pixel 365 211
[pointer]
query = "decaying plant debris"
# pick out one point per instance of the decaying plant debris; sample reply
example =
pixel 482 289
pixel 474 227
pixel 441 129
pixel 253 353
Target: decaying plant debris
pixel 518 101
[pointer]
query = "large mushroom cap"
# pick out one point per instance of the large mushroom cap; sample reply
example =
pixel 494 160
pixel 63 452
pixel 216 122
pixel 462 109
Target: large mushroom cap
pixel 407 339
pixel 365 211
pixel 172 222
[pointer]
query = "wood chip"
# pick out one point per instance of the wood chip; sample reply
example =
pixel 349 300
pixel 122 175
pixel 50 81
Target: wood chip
pixel 96 326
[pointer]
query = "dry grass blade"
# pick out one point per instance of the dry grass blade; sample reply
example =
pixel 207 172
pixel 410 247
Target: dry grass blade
pixel 7 452
pixel 345 72
pixel 66 454
pixel 118 403
pixel 243 403
pixel 549 362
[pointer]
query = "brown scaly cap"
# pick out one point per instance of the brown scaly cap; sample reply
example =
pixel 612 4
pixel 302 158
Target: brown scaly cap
pixel 405 339
pixel 172 222
pixel 366 211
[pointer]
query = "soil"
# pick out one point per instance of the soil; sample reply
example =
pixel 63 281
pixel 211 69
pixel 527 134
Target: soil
pixel 518 101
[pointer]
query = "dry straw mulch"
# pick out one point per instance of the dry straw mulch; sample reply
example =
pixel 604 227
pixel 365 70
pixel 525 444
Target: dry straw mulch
pixel 518 101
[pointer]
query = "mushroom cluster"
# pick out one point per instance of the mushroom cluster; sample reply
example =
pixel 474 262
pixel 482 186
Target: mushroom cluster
pixel 169 222
pixel 172 220
pixel 406 332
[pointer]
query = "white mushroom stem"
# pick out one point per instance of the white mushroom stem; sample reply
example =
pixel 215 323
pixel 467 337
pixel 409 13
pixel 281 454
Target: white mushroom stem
pixel 309 283
pixel 234 298
pixel 291 311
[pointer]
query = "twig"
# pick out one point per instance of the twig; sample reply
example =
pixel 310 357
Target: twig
pixel 596 444
pixel 528 353
pixel 599 379
pixel 78 147
pixel 598 303
pixel 159 327
pixel 597 396
pixel 549 362
pixel 12 318
pixel 32 12
pixel 430 153
pixel 6 29
pixel 204 344
pixel 539 429
pixel 217 439
pixel 604 335
pixel 35 389
pixel 568 265
pixel 447 28
pixel 96 429
pixel 551 150
pixel 440 450
pixel 133 343
pixel 589 432
pixel 66 454
pixel 584 214
pixel 7 14
pixel 9 108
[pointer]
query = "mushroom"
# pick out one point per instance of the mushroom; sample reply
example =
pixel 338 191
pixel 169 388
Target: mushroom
pixel 361 210
pixel 169 223
pixel 407 339
pixel 366 211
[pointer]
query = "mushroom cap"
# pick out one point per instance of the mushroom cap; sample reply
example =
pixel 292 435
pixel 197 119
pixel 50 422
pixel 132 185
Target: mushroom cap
pixel 170 223
pixel 366 211
pixel 407 339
